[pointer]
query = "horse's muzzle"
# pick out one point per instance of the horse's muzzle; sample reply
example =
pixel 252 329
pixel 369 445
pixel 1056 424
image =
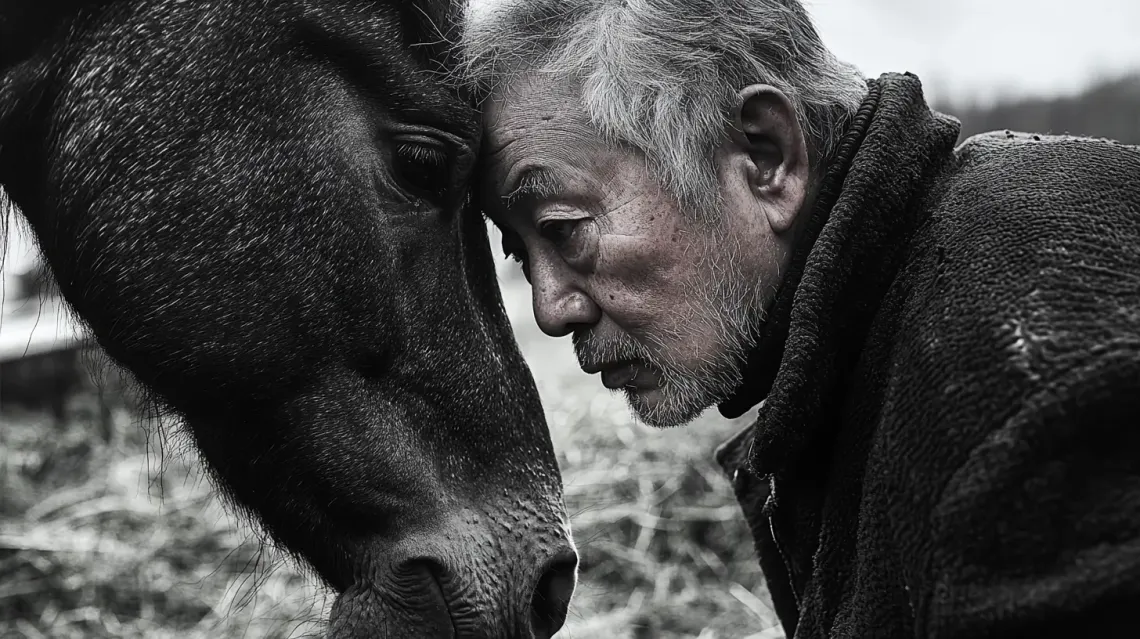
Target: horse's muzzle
pixel 421 599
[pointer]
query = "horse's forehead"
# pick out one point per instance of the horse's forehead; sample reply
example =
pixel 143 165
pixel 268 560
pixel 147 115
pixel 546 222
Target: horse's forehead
pixel 214 48
pixel 232 60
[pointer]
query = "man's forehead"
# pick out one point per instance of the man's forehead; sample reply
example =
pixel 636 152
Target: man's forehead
pixel 540 145
pixel 535 104
pixel 537 88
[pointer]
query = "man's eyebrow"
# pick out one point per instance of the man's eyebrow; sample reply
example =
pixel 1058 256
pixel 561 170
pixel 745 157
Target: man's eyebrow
pixel 533 183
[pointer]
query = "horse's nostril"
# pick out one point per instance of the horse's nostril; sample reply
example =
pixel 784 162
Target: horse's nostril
pixel 551 598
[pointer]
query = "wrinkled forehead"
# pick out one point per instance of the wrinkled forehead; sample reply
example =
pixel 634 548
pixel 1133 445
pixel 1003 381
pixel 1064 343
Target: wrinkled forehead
pixel 537 125
pixel 535 117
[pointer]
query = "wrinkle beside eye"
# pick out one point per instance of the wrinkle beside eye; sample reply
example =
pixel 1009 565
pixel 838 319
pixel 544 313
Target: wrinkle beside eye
pixel 631 200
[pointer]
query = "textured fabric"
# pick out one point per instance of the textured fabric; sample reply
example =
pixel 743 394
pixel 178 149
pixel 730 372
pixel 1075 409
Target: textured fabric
pixel 949 440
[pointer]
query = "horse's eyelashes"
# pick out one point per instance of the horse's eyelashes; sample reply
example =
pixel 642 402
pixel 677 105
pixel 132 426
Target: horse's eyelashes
pixel 423 168
pixel 422 153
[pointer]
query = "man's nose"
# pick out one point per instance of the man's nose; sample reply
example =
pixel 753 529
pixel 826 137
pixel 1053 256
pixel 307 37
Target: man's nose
pixel 560 306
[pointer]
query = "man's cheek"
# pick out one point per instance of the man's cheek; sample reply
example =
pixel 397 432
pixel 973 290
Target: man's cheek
pixel 640 264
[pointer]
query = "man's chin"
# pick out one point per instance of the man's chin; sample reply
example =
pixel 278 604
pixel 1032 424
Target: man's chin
pixel 653 407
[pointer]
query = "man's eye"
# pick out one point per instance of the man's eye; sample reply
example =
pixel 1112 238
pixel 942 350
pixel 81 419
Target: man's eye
pixel 422 168
pixel 559 232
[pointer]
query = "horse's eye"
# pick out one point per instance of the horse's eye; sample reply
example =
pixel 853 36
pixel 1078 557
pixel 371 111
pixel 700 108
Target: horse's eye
pixel 422 166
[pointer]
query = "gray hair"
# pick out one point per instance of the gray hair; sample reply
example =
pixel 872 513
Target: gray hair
pixel 664 75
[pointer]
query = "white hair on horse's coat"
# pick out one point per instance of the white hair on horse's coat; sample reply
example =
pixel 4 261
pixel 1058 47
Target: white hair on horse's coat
pixel 664 75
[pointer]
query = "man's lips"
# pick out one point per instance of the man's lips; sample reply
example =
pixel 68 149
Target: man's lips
pixel 619 376
pixel 616 375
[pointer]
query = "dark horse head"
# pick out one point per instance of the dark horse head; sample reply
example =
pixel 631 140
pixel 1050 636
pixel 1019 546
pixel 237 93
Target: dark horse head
pixel 259 209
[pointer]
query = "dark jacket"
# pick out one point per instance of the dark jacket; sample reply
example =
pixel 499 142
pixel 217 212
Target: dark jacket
pixel 949 443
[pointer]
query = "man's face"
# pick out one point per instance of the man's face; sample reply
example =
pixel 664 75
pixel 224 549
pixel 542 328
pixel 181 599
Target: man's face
pixel 661 306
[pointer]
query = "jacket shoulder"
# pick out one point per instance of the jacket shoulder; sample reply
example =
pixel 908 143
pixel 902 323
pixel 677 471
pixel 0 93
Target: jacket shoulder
pixel 1028 261
pixel 1034 169
pixel 1033 205
pixel 1030 232
pixel 997 145
pixel 1021 288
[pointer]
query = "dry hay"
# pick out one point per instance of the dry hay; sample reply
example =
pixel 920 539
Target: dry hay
pixel 126 540
pixel 92 544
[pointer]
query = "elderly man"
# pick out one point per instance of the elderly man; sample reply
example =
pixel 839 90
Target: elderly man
pixel 947 339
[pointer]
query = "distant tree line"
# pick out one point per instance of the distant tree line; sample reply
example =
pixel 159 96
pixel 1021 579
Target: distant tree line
pixel 1108 109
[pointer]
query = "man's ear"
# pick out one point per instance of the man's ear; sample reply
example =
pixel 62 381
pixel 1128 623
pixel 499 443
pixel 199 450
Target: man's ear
pixel 767 129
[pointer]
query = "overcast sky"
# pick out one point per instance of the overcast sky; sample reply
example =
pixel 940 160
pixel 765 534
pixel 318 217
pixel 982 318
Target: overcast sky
pixel 985 48
pixel 970 48
pixel 981 48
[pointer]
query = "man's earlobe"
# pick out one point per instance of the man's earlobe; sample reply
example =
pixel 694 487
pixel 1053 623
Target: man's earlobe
pixel 767 129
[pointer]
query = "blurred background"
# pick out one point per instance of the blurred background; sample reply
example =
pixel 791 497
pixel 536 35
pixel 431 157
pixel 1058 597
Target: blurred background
pixel 108 530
